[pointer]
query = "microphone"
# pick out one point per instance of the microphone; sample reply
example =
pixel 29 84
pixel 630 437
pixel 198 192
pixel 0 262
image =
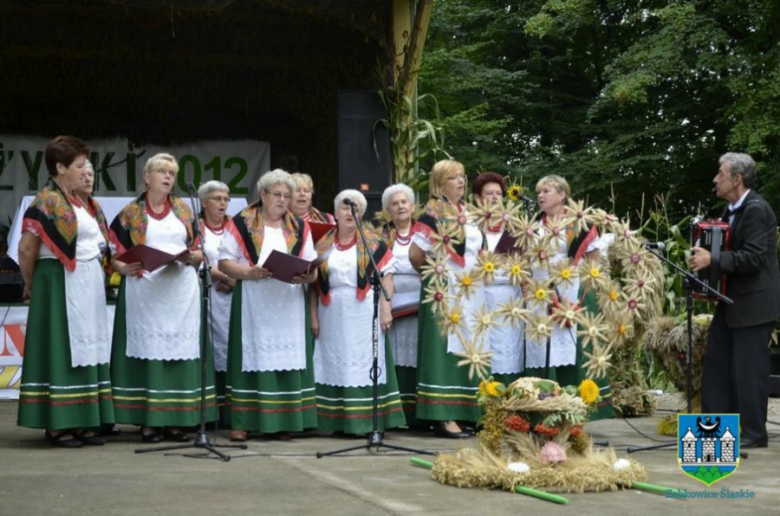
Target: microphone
pixel 350 202
pixel 190 186
pixel 654 245
pixel 527 199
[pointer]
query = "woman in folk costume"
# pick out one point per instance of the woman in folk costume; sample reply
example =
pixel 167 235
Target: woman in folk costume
pixel 445 392
pixel 65 386
pixel 506 341
pixel 270 387
pixel 342 321
pixel 214 199
pixel 155 360
pixel 398 202
pixel 301 205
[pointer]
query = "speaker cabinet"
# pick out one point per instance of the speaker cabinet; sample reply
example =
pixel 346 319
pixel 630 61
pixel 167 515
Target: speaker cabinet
pixel 364 158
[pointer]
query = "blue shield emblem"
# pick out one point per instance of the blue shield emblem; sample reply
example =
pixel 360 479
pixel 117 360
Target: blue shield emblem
pixel 708 445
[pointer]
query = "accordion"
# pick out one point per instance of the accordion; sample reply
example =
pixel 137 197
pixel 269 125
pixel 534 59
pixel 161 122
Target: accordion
pixel 712 235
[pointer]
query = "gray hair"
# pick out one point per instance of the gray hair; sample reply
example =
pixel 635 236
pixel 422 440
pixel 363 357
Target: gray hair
pixel 355 196
pixel 88 164
pixel 209 187
pixel 742 164
pixel 275 177
pixel 391 190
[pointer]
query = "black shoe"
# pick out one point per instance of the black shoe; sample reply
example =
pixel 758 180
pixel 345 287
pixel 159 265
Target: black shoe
pixel 57 439
pixel 110 431
pixel 90 440
pixel 440 430
pixel 748 444
pixel 150 435
pixel 176 436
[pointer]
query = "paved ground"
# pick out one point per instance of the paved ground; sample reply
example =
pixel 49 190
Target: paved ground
pixel 273 477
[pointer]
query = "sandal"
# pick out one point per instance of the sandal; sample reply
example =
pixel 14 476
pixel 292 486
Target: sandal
pixel 238 435
pixel 57 439
pixel 90 440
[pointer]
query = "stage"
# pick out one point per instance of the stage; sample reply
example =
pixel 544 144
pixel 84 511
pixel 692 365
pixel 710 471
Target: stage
pixel 274 477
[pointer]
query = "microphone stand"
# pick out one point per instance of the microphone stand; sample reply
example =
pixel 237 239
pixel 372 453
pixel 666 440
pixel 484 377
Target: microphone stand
pixel 201 440
pixel 689 280
pixel 375 438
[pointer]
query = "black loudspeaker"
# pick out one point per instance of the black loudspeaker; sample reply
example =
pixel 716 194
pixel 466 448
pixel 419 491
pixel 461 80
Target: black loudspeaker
pixel 10 281
pixel 365 161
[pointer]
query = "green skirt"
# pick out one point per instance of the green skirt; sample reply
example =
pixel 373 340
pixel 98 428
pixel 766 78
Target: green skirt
pixel 350 409
pixel 157 392
pixel 54 395
pixel 444 390
pixel 268 401
pixel 407 387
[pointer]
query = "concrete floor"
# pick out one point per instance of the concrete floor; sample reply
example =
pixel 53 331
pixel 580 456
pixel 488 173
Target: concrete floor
pixel 273 477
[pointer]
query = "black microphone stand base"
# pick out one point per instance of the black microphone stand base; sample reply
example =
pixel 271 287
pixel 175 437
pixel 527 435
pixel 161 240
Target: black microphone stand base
pixel 374 439
pixel 201 442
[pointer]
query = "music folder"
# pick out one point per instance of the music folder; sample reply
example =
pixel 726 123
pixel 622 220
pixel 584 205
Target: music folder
pixel 318 230
pixel 150 258
pixel 284 267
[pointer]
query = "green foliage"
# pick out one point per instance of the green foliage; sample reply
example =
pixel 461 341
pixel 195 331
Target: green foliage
pixel 637 95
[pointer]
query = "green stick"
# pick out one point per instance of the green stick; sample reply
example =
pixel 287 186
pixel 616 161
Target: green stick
pixel 653 488
pixel 544 495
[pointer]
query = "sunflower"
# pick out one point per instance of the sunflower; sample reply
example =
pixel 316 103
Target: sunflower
pixel 514 192
pixel 517 269
pixel 563 272
pixel 538 292
pixel 488 263
pixel 589 391
pixel 514 312
pixel 493 389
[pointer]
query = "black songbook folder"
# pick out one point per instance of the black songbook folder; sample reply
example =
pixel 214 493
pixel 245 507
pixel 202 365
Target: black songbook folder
pixel 150 258
pixel 284 267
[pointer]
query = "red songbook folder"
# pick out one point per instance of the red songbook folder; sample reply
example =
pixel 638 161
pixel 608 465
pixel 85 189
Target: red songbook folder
pixel 151 259
pixel 318 230
pixel 284 267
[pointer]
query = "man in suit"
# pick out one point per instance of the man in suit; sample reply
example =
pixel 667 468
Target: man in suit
pixel 736 362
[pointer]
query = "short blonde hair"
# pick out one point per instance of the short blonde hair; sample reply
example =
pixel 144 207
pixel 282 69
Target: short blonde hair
pixel 161 159
pixel 353 195
pixel 441 172
pixel 303 180
pixel 557 182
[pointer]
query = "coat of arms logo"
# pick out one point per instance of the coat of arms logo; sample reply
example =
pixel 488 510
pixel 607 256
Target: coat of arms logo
pixel 708 445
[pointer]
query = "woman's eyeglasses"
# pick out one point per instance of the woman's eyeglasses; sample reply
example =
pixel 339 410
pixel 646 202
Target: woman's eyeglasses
pixel 220 198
